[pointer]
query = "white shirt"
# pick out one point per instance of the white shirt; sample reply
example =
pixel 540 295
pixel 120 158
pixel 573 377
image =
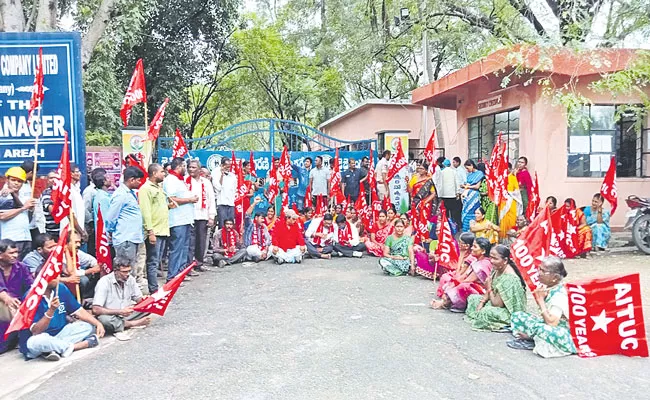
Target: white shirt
pixel 200 213
pixel 225 190
pixel 381 169
pixel 449 183
pixel 462 174
pixel 355 234
pixel 78 206
pixel 313 227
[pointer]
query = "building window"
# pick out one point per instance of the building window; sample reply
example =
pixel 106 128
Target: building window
pixel 591 145
pixel 483 132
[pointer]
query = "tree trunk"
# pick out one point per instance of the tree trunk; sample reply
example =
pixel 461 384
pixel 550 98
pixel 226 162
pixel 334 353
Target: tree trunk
pixel 46 17
pixel 95 30
pixel 12 18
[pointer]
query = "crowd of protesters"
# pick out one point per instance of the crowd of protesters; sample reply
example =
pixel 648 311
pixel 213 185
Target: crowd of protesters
pixel 162 218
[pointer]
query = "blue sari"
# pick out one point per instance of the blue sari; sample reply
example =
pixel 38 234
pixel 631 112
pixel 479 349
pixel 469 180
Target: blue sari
pixel 600 232
pixel 473 199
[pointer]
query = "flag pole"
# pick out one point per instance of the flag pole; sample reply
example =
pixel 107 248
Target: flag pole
pixel 40 128
pixel 73 237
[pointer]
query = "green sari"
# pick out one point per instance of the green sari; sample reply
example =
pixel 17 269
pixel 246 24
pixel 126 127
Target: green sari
pixel 398 247
pixel 491 212
pixel 491 318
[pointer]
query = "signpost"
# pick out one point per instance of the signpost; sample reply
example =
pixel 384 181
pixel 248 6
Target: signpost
pixel 63 106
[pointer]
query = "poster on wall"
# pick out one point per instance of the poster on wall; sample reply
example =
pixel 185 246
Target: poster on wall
pixel 135 141
pixel 109 158
pixel 398 189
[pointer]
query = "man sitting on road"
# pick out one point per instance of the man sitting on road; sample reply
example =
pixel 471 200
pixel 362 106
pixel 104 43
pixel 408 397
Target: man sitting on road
pixel 44 244
pixel 51 335
pixel 346 239
pixel 115 295
pixel 257 239
pixel 15 280
pixel 288 242
pixel 320 237
pixel 227 245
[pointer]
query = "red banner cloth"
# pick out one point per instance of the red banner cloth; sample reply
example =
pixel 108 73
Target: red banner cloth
pixel 531 247
pixel 136 93
pixel 158 302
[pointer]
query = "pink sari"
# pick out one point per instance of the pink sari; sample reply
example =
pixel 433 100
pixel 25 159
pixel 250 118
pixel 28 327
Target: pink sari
pixel 459 291
pixel 377 249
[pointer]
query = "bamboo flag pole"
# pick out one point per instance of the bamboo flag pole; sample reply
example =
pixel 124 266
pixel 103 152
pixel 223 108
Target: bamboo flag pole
pixel 73 240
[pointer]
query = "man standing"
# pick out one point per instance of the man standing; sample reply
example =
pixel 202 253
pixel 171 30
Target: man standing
pixel 319 181
pixel 88 196
pixel 155 217
pixel 457 163
pixel 44 244
pixel 227 245
pixel 449 192
pixel 124 221
pixel 320 237
pixel 346 239
pixel 181 218
pixel 15 280
pixel 51 228
pixel 257 239
pixel 365 167
pixel 524 179
pixel 77 202
pixel 14 215
pixel 382 171
pixel 115 295
pixel 225 186
pixel 303 180
pixel 288 242
pixel 37 217
pixel 204 213
pixel 351 181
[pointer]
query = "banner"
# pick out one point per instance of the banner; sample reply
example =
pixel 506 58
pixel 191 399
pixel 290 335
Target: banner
pixel 63 105
pixel 109 158
pixel 158 302
pixel 606 317
pixel 135 141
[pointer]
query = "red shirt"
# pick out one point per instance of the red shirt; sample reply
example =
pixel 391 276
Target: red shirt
pixel 287 237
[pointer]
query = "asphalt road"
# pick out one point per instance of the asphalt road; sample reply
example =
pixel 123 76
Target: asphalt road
pixel 330 330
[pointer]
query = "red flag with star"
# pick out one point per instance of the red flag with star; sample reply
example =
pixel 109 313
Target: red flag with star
pixel 158 302
pixel 606 317
pixel 36 100
pixel 531 247
pixel 608 188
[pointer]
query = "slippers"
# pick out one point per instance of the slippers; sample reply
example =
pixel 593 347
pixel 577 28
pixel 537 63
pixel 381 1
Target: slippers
pixel 505 329
pixel 521 344
pixel 457 310
pixel 93 341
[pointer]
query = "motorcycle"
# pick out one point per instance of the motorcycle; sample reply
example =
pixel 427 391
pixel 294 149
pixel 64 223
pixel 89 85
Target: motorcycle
pixel 638 219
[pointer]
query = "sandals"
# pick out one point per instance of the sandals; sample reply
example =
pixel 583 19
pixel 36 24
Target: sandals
pixel 521 344
pixel 93 341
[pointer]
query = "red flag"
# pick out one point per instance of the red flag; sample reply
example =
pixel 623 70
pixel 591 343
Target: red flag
pixel 156 122
pixel 180 148
pixel 558 234
pixel 285 165
pixel 36 100
pixel 608 188
pixel 430 152
pixel 137 160
pixel 491 174
pixel 386 203
pixel 363 209
pixel 61 201
pixel 136 93
pixel 242 202
pixel 534 201
pixel 606 317
pixel 397 162
pixel 233 163
pixel 157 303
pixel 252 165
pixel 372 175
pixel 308 200
pixel 51 270
pixel 103 252
pixel 285 200
pixel 421 220
pixel 274 185
pixel 531 247
pixel 321 208
pixel 568 233
pixel 335 182
pixel 447 250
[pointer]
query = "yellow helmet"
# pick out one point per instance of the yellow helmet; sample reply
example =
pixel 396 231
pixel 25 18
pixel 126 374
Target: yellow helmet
pixel 16 172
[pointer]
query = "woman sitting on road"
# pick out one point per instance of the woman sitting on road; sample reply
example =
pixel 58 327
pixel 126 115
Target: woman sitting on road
pixel 382 229
pixel 547 335
pixel 465 260
pixel 506 294
pixel 482 227
pixel 398 256
pixel 471 281
pixel 584 231
pixel 598 221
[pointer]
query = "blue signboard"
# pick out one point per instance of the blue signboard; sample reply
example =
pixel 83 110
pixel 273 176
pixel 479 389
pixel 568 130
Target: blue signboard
pixel 63 107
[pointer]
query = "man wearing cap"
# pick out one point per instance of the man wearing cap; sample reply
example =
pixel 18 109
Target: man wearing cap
pixel 288 242
pixel 14 211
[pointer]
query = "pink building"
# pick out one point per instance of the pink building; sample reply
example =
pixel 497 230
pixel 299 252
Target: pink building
pixel 570 160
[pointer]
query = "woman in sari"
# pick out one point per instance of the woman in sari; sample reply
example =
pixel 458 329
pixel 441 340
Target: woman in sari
pixel 382 229
pixel 421 186
pixel 584 231
pixel 472 196
pixel 471 281
pixel 270 219
pixel 547 335
pixel 398 256
pixel 481 227
pixel 506 294
pixel 598 221
pixel 511 206
pixel 491 211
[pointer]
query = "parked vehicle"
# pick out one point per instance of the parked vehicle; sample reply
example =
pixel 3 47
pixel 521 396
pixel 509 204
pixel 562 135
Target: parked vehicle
pixel 638 219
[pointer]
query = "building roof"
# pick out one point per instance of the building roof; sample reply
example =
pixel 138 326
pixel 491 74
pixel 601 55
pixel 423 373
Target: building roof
pixel 558 61
pixel 367 104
